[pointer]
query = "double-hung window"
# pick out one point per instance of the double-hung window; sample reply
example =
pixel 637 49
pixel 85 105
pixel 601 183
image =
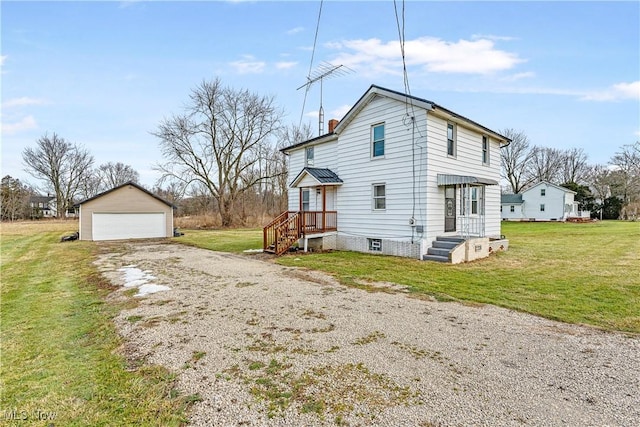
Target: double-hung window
pixel 308 156
pixel 379 197
pixel 485 150
pixel 377 140
pixel 305 200
pixel 451 139
pixel 543 192
pixel 542 207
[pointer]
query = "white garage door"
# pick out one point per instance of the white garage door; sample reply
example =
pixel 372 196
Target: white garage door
pixel 115 226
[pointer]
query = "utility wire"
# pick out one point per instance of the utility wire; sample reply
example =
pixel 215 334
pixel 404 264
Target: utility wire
pixel 313 52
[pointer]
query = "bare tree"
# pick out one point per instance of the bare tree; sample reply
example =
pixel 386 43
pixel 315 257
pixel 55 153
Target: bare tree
pixel 515 158
pixel 61 165
pixel 627 172
pixel 14 200
pixel 574 166
pixel 217 141
pixel 545 164
pixel 114 174
pixel 599 182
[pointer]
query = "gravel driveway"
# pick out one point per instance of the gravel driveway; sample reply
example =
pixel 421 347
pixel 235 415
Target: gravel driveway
pixel 266 345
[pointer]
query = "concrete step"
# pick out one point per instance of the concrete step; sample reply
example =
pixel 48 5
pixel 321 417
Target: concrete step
pixel 439 252
pixel 444 244
pixel 450 239
pixel 435 258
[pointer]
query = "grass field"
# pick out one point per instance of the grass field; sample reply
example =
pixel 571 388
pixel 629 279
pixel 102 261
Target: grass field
pixel 58 361
pixel 59 346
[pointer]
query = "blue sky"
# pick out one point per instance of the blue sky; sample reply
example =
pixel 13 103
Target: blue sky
pixel 104 74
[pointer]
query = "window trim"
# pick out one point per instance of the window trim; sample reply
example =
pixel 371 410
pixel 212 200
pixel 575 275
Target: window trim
pixel 308 161
pixel 374 141
pixel 453 140
pixel 542 207
pixel 375 198
pixel 485 150
pixel 372 242
pixel 543 192
pixel 308 202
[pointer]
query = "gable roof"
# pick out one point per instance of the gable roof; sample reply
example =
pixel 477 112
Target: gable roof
pixel 131 183
pixel 511 199
pixel 322 176
pixel 548 184
pixel 41 199
pixel 425 104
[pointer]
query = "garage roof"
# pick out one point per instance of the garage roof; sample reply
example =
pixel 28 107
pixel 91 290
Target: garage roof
pixel 133 184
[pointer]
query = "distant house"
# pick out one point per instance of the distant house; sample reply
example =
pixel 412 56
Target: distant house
pixel 542 202
pixel 127 211
pixel 398 175
pixel 43 206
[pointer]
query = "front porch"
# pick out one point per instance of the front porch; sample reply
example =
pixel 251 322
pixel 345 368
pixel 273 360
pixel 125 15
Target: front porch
pixel 290 226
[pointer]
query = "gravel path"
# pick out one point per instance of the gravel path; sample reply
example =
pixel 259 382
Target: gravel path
pixel 266 345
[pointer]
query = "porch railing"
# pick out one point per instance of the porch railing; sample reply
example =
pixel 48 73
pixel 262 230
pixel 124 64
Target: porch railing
pixel 281 233
pixel 471 226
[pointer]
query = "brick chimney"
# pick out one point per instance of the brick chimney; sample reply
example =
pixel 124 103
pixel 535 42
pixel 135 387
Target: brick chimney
pixel 332 124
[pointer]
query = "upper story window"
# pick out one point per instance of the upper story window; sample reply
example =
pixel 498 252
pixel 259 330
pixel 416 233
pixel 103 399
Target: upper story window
pixel 377 140
pixel 543 192
pixel 308 156
pixel 379 197
pixel 485 150
pixel 451 139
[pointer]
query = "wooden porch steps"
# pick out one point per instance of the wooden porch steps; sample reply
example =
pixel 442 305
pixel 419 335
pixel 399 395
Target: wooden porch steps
pixel 441 248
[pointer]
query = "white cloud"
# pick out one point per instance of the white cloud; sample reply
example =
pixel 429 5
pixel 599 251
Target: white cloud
pixel 26 123
pixel 338 113
pixel 21 102
pixel 2 59
pixel 519 76
pixel 616 92
pixel 248 65
pixel 295 30
pixel 433 54
pixel 284 65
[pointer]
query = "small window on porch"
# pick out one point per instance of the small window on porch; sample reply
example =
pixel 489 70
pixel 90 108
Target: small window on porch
pixel 308 158
pixel 375 245
pixel 305 200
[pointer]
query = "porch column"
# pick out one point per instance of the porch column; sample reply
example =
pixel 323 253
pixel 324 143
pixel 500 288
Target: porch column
pixel 324 207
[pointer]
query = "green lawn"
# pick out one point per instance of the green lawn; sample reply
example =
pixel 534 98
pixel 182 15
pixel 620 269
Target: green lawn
pixel 59 343
pixel 576 273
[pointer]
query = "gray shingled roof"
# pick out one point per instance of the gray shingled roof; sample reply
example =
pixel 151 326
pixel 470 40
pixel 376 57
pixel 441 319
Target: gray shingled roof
pixel 512 199
pixel 323 175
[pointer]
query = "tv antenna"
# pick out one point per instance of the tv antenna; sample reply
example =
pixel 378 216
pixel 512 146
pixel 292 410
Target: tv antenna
pixel 324 70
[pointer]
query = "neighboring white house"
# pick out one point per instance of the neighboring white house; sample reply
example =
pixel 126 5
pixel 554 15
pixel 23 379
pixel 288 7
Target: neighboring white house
pixel 43 206
pixel 396 173
pixel 542 202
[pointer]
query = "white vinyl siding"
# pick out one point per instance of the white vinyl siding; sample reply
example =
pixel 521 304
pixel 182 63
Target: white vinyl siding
pixel 468 151
pixel 358 171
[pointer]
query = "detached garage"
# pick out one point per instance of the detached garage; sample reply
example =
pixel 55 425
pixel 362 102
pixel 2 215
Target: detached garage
pixel 125 212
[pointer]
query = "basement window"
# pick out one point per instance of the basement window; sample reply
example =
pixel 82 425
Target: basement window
pixel 375 245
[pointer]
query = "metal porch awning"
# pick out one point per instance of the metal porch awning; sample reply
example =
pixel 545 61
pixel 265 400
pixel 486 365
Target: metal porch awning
pixel 446 179
pixel 321 176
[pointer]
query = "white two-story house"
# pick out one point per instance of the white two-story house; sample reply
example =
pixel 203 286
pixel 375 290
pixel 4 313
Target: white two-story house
pixel 542 202
pixel 398 175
